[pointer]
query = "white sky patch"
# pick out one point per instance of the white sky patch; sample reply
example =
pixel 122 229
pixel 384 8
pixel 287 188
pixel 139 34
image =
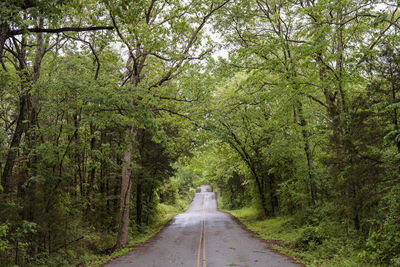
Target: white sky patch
pixel 220 50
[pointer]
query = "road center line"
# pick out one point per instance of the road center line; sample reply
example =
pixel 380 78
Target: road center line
pixel 199 248
pixel 202 240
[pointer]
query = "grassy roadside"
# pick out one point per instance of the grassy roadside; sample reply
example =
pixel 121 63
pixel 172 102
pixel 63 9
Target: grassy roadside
pixel 167 213
pixel 312 246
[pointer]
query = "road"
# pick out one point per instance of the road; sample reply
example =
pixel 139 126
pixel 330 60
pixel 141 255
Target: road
pixel 203 237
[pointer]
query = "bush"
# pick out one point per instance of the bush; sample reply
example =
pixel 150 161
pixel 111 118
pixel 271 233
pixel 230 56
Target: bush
pixel 383 244
pixel 3 237
pixel 310 238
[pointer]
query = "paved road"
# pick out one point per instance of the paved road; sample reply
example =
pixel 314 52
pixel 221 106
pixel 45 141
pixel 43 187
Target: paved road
pixel 201 237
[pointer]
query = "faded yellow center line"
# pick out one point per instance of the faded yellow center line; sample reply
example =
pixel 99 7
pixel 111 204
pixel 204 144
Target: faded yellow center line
pixel 202 240
pixel 199 248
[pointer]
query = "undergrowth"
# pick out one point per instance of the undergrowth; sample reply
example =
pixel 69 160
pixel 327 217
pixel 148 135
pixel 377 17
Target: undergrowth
pixel 324 244
pixel 166 213
pixel 95 248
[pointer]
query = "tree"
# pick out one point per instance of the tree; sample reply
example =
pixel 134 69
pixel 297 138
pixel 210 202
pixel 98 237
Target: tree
pixel 16 17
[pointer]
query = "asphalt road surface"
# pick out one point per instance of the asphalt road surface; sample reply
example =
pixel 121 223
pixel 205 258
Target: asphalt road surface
pixel 203 236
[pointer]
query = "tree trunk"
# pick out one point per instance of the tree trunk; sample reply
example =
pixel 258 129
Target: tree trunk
pixel 307 150
pixel 126 185
pixel 126 182
pixel 4 34
pixel 92 174
pixel 247 159
pixel 260 191
pixel 24 102
pixel 395 111
pixel 15 141
pixel 139 204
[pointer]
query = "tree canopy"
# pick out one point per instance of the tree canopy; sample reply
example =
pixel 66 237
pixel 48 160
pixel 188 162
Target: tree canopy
pixel 110 109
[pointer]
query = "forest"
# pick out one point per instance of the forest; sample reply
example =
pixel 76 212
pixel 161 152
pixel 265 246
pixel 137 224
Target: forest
pixel 112 112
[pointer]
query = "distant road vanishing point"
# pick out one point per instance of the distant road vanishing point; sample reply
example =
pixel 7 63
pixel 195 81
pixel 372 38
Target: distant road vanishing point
pixel 203 236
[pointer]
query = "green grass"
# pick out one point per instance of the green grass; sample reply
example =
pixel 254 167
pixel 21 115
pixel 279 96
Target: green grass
pixel 323 245
pixel 270 229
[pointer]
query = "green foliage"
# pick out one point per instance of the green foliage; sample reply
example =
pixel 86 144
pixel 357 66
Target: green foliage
pixel 324 244
pixel 300 122
pixel 311 238
pixel 4 245
pixel 383 243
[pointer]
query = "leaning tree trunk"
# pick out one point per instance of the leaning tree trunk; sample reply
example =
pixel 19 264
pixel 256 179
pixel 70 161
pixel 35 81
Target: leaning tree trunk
pixel 25 100
pixel 15 141
pixel 260 190
pixel 23 115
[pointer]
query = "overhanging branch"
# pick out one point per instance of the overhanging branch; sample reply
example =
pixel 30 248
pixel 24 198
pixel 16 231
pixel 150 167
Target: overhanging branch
pixel 64 29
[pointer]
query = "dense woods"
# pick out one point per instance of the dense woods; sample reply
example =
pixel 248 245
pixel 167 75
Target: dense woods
pixel 113 111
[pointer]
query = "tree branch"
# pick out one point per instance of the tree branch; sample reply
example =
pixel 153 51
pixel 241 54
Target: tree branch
pixel 64 29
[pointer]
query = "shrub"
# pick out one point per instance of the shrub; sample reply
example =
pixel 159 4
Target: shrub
pixel 383 244
pixel 310 238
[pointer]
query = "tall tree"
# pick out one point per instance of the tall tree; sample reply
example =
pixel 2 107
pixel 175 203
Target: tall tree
pixel 20 21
